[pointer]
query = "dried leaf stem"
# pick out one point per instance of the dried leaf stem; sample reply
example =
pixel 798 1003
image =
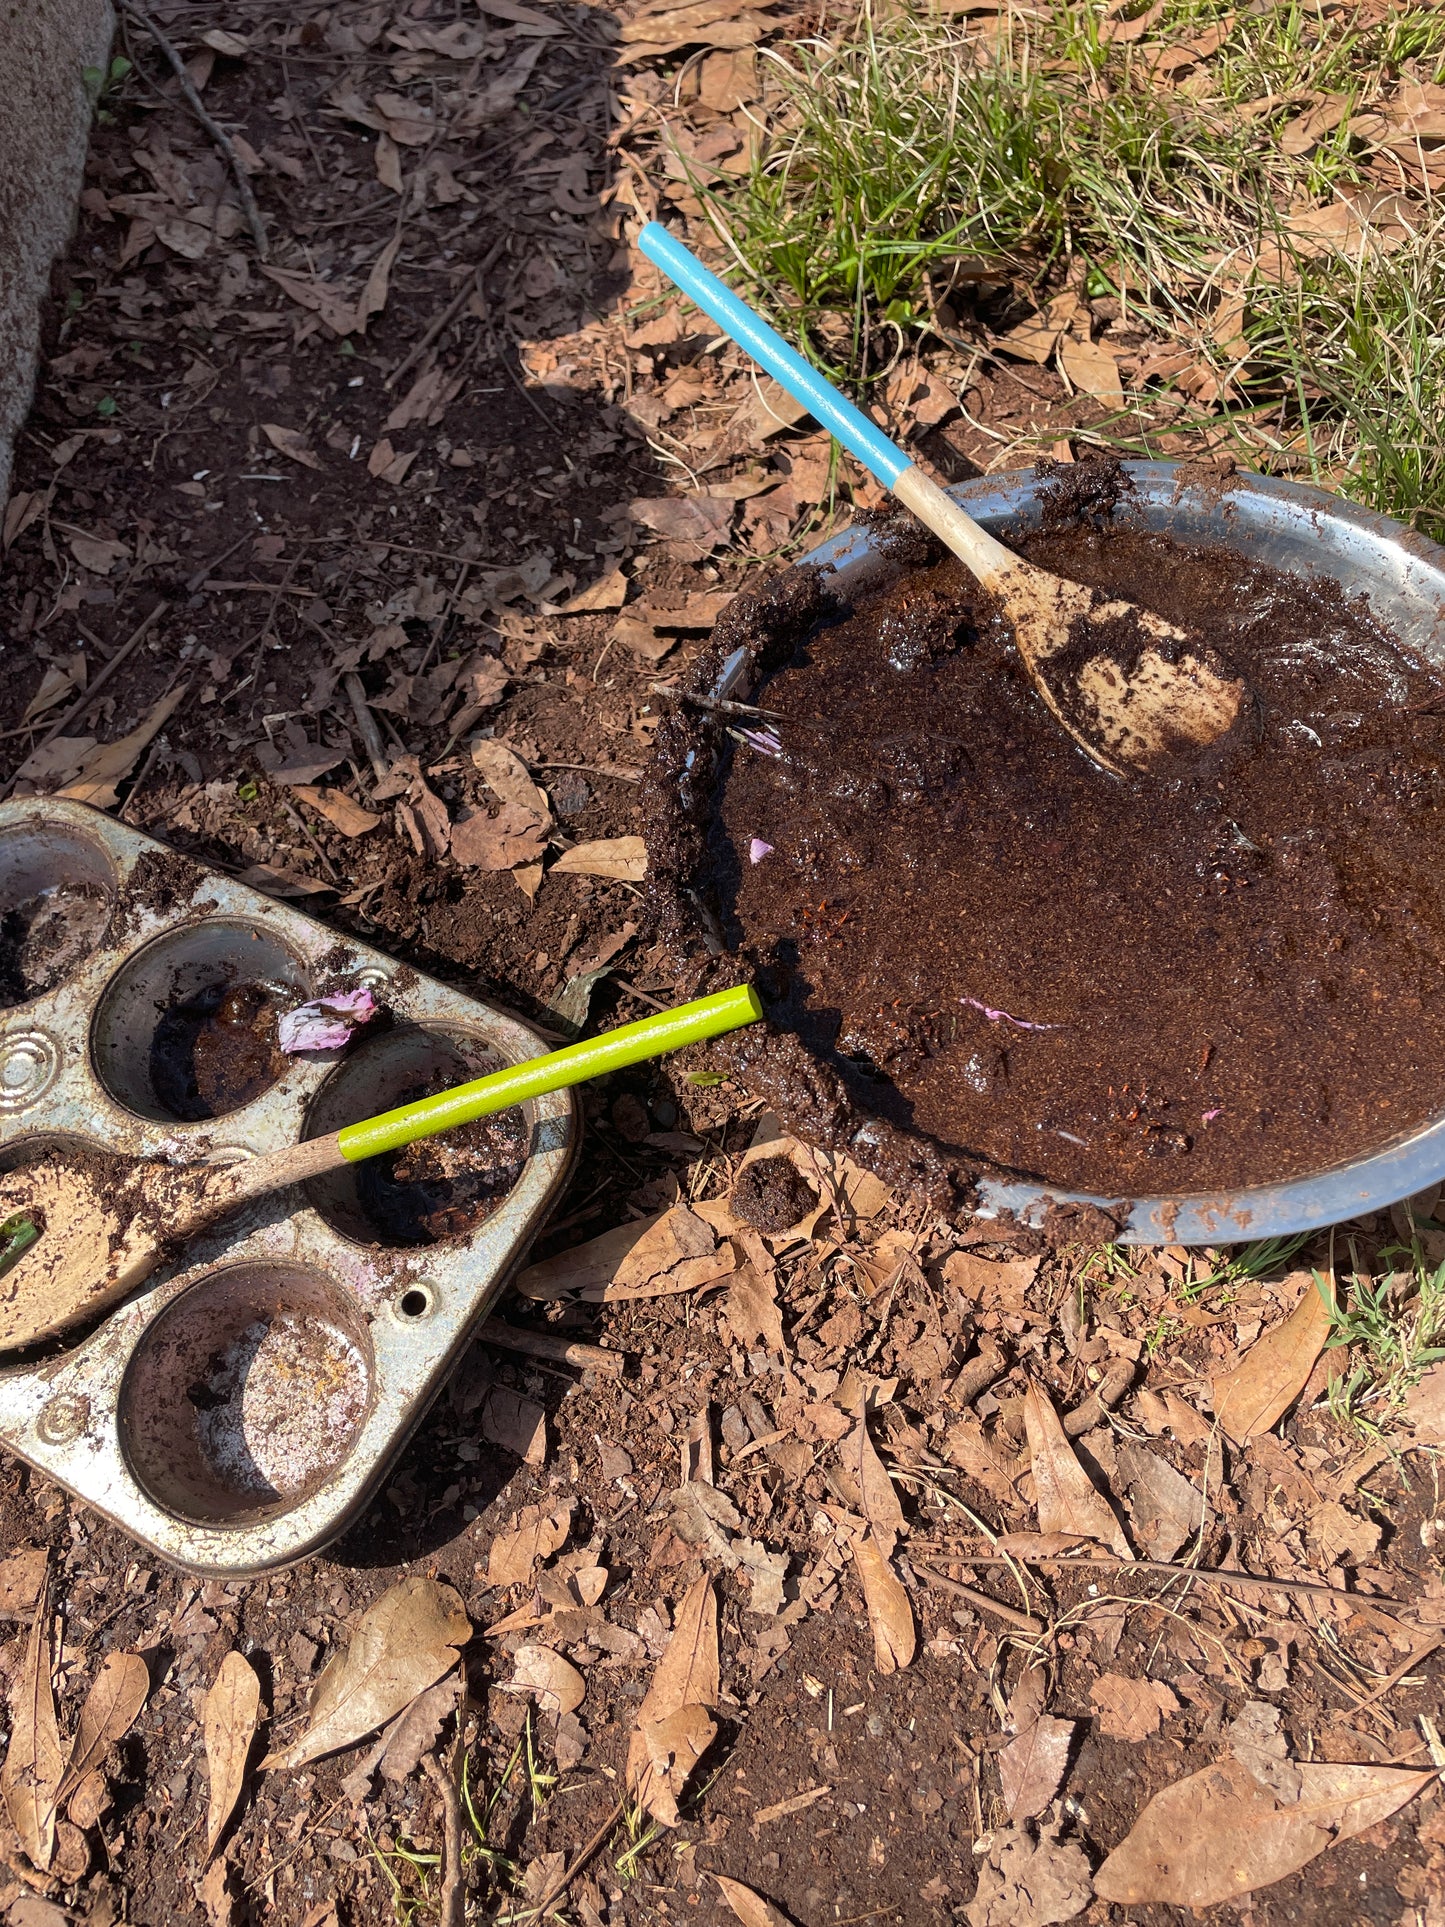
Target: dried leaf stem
pixel 1025 1622
pixel 1215 1575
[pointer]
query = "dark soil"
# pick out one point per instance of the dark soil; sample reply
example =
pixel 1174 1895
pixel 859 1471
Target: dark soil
pixel 772 1193
pixel 45 939
pixel 444 1186
pixel 216 1051
pixel 1126 986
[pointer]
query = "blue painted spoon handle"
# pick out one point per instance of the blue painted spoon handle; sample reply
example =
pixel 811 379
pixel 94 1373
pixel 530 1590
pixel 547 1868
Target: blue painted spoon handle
pixel 880 456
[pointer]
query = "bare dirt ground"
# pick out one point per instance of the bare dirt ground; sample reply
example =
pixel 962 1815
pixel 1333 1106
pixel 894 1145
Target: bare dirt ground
pixel 448 470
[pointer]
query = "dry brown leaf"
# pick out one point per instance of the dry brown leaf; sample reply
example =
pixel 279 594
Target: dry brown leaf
pixel 1307 130
pixel 1035 339
pixel 235 46
pixel 291 443
pixel 751 1909
pixel 88 1804
pixel 627 1257
pixel 229 1724
pixel 510 839
pixel 105 766
pixel 673 1727
pixel 402 1645
pixel 1255 1396
pixel 752 1310
pixel 876 1494
pixel 373 295
pixel 1424 1408
pixel 34 1762
pixel 1165 1508
pixel 505 775
pixel 1031 1767
pixel 110 1710
pixel 388 163
pixel 537 1534
pixel 701 519
pixel 1067 1499
pixel 621 857
pixel 414 1732
pixel 399 1750
pixel 97 553
pixel 1092 369
pixel 1025 1882
pixel 1220 1834
pixel 215 1894
pixel 890 1617
pixel 556 1685
pixel 1131 1709
pixel 1120 27
pixel 338 808
pixel 607 592
pixel 55 686
pixel 22 1576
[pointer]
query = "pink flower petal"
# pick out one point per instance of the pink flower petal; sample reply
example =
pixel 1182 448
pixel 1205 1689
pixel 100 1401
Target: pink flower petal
pixel 1003 1017
pixel 757 850
pixel 327 1023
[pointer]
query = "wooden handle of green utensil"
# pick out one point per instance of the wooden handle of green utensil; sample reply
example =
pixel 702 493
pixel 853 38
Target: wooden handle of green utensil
pixel 669 1030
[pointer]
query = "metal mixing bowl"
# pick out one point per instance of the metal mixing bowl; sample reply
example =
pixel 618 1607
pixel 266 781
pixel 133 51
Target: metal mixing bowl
pixel 1402 577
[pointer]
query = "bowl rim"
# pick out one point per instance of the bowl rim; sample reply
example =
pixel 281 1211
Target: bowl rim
pixel 1412 1163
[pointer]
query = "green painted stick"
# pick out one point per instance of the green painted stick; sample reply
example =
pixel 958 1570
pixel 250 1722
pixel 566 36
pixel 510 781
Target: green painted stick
pixel 48 1287
pixel 649 1037
pixel 669 1030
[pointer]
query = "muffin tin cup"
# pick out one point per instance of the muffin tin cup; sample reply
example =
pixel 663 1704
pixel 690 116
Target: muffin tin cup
pixel 239 1410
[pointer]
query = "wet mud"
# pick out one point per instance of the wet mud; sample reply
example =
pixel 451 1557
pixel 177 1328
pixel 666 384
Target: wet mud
pixel 216 1050
pixel 45 939
pixel 771 1194
pixel 442 1187
pixel 986 945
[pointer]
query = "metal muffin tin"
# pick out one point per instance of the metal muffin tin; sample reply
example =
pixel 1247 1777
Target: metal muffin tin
pixel 1402 577
pixel 239 1411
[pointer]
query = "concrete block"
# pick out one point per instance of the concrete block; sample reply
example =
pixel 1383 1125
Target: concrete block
pixel 45 108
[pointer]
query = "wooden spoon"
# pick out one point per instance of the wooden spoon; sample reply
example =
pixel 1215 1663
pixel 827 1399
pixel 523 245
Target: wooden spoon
pixel 106 1221
pixel 1134 691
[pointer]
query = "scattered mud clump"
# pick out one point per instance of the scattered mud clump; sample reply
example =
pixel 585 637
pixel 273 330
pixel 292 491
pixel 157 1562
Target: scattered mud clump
pixel 216 1051
pixel 981 952
pixel 442 1187
pixel 771 1194
pixel 46 939
pixel 161 882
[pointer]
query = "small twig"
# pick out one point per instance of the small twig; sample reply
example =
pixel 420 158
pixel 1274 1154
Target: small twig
pixel 366 723
pixel 588 1852
pixel 448 315
pixel 1025 1622
pixel 212 127
pixel 454 1891
pixel 295 816
pixel 1215 1575
pixel 1105 1395
pixel 88 695
pixel 986 1368
pixel 563 1351
pixel 140 782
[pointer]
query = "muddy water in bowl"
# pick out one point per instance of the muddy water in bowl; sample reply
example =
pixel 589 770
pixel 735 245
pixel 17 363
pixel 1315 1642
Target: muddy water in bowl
pixel 1123 989
pixel 237 1410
